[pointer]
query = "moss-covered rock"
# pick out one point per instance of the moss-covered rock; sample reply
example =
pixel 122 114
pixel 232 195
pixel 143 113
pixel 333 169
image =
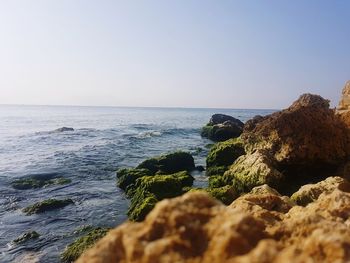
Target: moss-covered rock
pixel 216 181
pixel 216 170
pixel 151 189
pixel 128 176
pixel 141 204
pixel 226 194
pixel 26 236
pixel 165 186
pixel 75 249
pixel 169 163
pixel 37 182
pixel 47 205
pixel 225 153
pixel 253 170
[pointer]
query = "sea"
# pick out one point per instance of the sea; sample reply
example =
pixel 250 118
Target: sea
pixel 104 139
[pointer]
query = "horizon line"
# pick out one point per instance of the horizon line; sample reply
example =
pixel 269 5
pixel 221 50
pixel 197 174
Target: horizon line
pixel 114 106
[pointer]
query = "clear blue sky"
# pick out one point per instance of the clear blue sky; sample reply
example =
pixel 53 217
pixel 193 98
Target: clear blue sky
pixel 233 54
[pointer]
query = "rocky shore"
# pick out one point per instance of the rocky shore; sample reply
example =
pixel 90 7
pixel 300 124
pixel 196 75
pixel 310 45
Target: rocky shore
pixel 278 192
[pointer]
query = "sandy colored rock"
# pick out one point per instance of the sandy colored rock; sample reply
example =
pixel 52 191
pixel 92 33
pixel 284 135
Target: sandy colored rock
pixel 308 133
pixel 310 192
pixel 344 103
pixel 261 226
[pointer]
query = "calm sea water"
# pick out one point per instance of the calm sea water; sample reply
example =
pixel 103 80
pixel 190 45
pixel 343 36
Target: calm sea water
pixel 104 139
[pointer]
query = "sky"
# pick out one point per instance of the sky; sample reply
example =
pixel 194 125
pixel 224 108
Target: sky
pixel 167 53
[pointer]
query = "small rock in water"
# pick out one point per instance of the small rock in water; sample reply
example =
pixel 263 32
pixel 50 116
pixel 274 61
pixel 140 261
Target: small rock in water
pixel 64 129
pixel 26 236
pixel 47 205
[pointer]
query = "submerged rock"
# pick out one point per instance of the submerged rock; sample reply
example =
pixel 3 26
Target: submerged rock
pixel 75 249
pixel 64 129
pixel 47 205
pixel 263 227
pixel 222 127
pixel 26 236
pixel 38 182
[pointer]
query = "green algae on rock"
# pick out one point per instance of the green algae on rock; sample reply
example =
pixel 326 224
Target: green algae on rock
pixel 34 182
pixel 47 205
pixel 26 236
pixel 151 189
pixel 225 153
pixel 75 249
pixel 226 194
pixel 253 170
pixel 128 176
pixel 154 179
pixel 141 204
pixel 169 163
pixel 216 181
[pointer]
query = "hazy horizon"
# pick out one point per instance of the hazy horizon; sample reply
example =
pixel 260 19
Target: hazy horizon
pixel 182 54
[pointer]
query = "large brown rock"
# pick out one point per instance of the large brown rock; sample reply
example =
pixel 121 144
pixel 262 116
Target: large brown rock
pixel 262 226
pixel 307 133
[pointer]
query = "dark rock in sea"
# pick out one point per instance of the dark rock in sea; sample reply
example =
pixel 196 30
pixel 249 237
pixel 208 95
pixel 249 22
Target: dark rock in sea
pixel 26 236
pixel 75 249
pixel 38 182
pixel 200 168
pixel 47 205
pixel 221 118
pixel 64 129
pixel 222 127
pixel 169 163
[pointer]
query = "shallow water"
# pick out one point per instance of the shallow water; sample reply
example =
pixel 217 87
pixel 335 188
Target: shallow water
pixel 104 139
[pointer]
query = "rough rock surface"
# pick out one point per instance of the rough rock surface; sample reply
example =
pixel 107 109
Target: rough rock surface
pixel 344 103
pixel 253 170
pixel 310 192
pixel 302 144
pixel 306 133
pixel 343 109
pixel 262 226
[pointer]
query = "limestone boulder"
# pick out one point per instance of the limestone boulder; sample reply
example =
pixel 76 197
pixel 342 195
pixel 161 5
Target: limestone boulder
pixel 306 138
pixel 261 226
pixel 310 192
